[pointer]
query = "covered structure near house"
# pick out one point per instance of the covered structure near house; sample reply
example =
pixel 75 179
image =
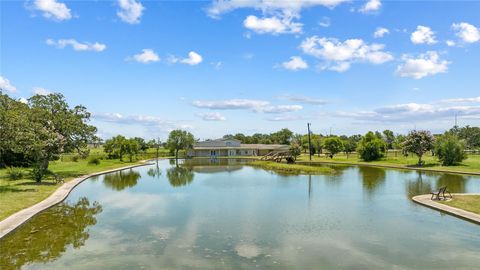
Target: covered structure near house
pixel 232 147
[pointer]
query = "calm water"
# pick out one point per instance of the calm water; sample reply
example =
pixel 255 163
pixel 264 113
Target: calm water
pixel 229 216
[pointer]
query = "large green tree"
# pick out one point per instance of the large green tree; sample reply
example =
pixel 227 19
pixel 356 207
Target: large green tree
pixel 371 147
pixel 418 142
pixel 333 145
pixel 180 140
pixel 449 149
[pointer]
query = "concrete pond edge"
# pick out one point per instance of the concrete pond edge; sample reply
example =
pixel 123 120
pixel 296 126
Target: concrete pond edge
pixel 14 221
pixel 426 200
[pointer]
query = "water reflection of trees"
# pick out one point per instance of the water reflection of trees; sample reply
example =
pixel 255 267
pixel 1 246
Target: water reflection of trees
pixel 121 180
pixel 44 238
pixel 418 186
pixel 372 178
pixel 155 172
pixel 454 182
pixel 180 176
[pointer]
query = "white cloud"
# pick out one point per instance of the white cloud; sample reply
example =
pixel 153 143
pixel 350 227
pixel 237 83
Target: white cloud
pixel 304 99
pixel 130 11
pixel 272 25
pixel 467 32
pixel 410 112
pixel 6 85
pixel 424 65
pixel 220 7
pixel 295 63
pixel 152 122
pixel 461 100
pixel 246 104
pixel 212 116
pixel 52 9
pixel 285 117
pixel 192 59
pixel 450 43
pixel 423 35
pixel 371 6
pixel 41 91
pixel 77 46
pixel 380 32
pixel 325 22
pixel 23 100
pixel 339 55
pixel 145 57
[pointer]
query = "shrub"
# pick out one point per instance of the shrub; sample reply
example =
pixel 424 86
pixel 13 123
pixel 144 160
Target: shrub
pixel 75 158
pixel 38 172
pixel 94 161
pixel 371 148
pixel 449 150
pixel 14 173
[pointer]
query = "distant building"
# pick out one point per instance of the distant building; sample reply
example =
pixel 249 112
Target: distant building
pixel 232 147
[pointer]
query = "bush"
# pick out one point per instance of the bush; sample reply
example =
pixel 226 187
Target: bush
pixel 14 173
pixel 94 161
pixel 75 158
pixel 38 172
pixel 371 148
pixel 449 150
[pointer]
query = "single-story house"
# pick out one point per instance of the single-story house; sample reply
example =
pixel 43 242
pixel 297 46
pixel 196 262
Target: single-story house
pixel 232 147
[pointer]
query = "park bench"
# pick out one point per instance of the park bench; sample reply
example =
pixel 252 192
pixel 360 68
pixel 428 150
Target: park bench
pixel 58 179
pixel 440 193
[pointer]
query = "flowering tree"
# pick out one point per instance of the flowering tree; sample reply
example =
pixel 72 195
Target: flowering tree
pixel 418 142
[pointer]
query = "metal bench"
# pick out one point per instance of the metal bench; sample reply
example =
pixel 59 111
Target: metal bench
pixel 440 193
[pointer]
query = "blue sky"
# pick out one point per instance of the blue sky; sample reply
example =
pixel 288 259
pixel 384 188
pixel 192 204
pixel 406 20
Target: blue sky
pixel 146 67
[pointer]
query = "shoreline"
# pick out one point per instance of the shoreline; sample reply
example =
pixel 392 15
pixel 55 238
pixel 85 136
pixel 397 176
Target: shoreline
pixel 386 166
pixel 15 220
pixel 456 212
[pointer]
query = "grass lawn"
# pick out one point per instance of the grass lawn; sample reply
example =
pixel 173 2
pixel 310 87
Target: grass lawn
pixel 19 194
pixel 291 168
pixel 469 203
pixel 471 164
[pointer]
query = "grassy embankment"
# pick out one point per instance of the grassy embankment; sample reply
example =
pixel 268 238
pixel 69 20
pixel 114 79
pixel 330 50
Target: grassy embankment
pixel 469 203
pixel 16 195
pixel 471 164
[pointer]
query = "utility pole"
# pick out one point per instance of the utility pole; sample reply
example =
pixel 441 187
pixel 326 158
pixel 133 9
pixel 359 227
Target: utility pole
pixel 309 142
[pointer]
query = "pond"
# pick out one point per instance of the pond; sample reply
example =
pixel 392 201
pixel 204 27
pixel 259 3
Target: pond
pixel 225 215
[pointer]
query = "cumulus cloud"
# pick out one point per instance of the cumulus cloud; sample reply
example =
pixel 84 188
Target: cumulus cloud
pixel 152 122
pixel 338 55
pixel 77 46
pixel 130 11
pixel 5 85
pixel 409 112
pixel 295 63
pixel 371 6
pixel 212 116
pixel 192 59
pixel 52 9
pixel 145 57
pixel 41 91
pixel 424 65
pixel 466 32
pixel 380 32
pixel 246 104
pixel 272 25
pixel 423 35
pixel 450 43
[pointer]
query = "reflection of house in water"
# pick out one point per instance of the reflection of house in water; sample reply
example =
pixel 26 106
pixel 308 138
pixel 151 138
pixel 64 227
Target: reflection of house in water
pixel 232 147
pixel 214 166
